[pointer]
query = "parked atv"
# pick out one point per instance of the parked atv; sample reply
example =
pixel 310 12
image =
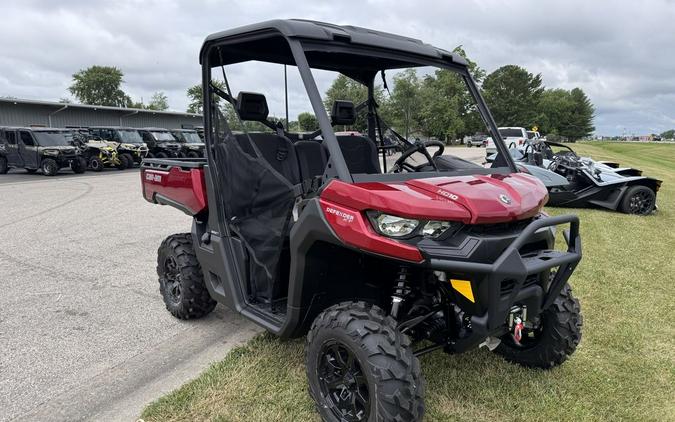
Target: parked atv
pixel 98 153
pixel 588 183
pixel 161 143
pixel 36 149
pixel 127 141
pixel 304 234
pixel 192 145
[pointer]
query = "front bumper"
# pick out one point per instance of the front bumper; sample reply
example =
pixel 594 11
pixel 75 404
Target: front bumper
pixel 514 278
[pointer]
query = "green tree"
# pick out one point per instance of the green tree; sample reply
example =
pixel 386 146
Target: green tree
pixel 669 134
pixel 196 99
pixel 344 88
pixel 443 103
pixel 402 109
pixel 158 101
pixel 308 122
pixel 555 108
pixel 581 117
pixel 512 93
pixel 99 85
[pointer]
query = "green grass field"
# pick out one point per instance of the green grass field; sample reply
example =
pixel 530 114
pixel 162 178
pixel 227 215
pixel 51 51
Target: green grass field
pixel 624 368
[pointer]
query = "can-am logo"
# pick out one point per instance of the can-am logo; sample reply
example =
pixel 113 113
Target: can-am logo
pixel 447 194
pixel 346 217
pixel 505 199
pixel 153 177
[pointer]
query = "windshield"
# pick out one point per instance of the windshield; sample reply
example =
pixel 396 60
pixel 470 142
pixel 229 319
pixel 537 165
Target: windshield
pixel 531 135
pixel 130 136
pixel 192 138
pixel 511 133
pixel 163 136
pixel 54 139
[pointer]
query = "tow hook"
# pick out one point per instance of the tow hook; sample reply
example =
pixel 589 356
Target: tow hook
pixel 517 317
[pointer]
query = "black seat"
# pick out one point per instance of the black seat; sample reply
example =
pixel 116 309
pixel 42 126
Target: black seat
pixel 312 158
pixel 360 153
pixel 276 149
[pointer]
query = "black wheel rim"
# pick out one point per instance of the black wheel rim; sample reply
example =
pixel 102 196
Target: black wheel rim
pixel 172 279
pixel 641 202
pixel 343 384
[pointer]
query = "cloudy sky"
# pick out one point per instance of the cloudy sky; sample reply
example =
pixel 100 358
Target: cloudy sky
pixel 622 54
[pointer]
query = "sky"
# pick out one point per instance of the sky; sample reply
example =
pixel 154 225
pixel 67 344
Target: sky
pixel 621 53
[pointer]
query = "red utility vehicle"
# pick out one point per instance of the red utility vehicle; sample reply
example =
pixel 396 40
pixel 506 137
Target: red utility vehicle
pixel 310 234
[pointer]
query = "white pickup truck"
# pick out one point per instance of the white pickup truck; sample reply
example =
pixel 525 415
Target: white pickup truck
pixel 517 135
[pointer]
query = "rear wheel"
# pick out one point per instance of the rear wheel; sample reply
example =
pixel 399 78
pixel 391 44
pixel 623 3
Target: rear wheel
pixel 552 340
pixel 95 164
pixel 162 155
pixel 3 165
pixel 49 167
pixel 638 200
pixel 193 154
pixel 181 281
pixel 360 367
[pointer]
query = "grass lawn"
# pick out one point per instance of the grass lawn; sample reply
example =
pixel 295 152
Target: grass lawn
pixel 624 368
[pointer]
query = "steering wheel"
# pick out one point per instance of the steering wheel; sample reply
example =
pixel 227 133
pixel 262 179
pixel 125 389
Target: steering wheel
pixel 401 165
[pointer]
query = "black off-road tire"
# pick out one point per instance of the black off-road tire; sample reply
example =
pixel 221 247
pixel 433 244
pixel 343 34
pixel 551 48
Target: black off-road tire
pixel 638 200
pixel 161 155
pixel 130 160
pixel 193 154
pixel 96 164
pixel 557 340
pixel 79 165
pixel 49 167
pixel 384 357
pixel 191 299
pixel 149 155
pixel 123 163
pixel 3 165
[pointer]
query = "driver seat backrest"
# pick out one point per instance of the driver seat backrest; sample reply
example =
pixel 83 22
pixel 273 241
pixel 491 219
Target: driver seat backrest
pixel 275 148
pixel 360 153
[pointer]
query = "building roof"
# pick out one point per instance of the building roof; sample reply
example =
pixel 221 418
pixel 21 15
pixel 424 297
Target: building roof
pixel 94 107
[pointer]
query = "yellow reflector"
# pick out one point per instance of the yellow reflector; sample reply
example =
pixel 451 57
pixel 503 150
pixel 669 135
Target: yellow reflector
pixel 464 288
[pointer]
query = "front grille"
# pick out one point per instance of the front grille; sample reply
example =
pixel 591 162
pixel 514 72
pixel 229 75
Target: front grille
pixel 499 228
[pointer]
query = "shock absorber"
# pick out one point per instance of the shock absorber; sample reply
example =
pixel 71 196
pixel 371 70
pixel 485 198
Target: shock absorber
pixel 399 291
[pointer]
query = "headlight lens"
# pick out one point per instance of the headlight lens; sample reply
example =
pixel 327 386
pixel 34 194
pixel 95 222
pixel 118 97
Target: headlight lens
pixel 434 229
pixel 393 226
pixel 51 152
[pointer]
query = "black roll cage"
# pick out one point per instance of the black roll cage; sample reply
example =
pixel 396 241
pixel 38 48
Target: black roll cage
pixel 298 48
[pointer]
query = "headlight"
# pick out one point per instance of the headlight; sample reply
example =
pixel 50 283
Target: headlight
pixel 393 226
pixel 51 152
pixel 400 227
pixel 434 229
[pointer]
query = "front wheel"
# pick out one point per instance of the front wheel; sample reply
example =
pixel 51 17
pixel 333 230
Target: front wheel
pixel 552 340
pixel 79 165
pixel 181 281
pixel 193 154
pixel 161 155
pixel 638 200
pixel 49 167
pixel 360 367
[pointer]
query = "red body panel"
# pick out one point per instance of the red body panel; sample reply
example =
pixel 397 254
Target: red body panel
pixel 352 227
pixel 185 187
pixel 476 199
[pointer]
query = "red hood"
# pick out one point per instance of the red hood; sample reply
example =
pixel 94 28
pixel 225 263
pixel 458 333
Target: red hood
pixel 476 199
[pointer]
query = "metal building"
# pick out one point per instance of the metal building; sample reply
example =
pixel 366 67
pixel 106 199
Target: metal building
pixel 16 112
